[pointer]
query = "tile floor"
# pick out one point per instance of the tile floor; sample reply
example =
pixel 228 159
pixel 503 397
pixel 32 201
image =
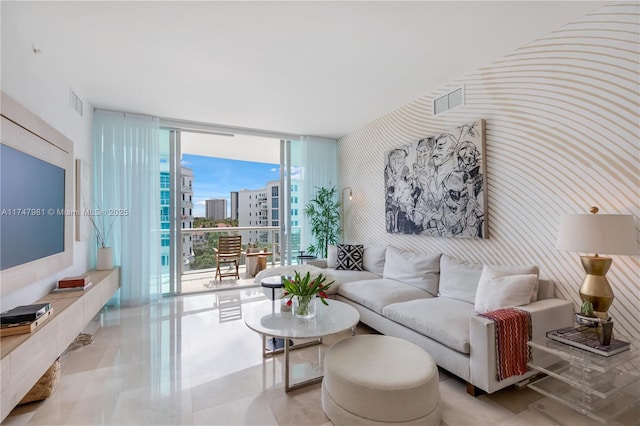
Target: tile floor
pixel 190 360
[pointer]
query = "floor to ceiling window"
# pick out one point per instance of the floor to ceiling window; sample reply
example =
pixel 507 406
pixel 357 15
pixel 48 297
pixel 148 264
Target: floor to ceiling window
pixel 224 184
pixel 214 184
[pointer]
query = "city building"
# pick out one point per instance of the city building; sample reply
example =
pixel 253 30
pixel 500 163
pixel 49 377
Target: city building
pixel 261 207
pixel 216 209
pixel 253 210
pixel 186 214
pixel 234 205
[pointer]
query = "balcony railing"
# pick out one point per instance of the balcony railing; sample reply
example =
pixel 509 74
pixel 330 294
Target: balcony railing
pixel 204 241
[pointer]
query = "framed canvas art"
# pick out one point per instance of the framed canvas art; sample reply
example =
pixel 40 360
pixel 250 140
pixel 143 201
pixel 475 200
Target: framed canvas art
pixel 436 186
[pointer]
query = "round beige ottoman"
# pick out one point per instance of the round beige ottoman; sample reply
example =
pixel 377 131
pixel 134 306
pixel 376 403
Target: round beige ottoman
pixel 378 380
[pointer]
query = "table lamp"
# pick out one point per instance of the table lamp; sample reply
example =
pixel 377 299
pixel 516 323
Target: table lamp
pixel 597 233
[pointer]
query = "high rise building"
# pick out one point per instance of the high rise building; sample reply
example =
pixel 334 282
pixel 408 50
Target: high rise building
pixel 261 207
pixel 165 223
pixel 186 214
pixel 234 205
pixel 252 211
pixel 216 209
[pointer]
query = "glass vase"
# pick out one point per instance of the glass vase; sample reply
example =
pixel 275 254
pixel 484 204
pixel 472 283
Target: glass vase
pixel 304 307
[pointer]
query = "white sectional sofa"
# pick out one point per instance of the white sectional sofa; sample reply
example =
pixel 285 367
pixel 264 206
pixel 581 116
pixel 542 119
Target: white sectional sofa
pixel 431 300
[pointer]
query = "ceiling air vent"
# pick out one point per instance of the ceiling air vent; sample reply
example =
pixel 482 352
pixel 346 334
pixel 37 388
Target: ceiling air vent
pixel 448 101
pixel 75 102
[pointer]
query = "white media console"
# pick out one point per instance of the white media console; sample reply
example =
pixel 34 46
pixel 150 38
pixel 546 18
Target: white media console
pixel 26 357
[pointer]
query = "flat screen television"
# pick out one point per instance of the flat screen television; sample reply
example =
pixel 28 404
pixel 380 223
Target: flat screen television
pixel 31 208
pixel 36 198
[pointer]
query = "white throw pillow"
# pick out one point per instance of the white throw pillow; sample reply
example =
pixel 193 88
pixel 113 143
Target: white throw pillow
pixel 459 279
pixel 332 256
pixel 490 272
pixel 504 292
pixel 374 258
pixel 420 270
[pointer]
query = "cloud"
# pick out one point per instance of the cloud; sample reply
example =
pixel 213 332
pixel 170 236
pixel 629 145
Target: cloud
pixel 296 172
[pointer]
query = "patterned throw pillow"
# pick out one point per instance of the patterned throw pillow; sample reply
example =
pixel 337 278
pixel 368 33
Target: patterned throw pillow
pixel 350 257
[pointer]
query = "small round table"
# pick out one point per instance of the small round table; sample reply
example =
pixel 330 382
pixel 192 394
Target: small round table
pixel 304 258
pixel 272 283
pixel 273 344
pixel 271 321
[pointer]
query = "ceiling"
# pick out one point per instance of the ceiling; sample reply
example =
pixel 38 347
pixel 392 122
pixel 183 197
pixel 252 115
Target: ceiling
pixel 308 68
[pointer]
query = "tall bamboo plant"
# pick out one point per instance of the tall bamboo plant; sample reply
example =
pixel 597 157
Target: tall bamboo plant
pixel 323 213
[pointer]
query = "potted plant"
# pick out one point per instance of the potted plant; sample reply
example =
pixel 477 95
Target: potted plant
pixel 323 213
pixel 302 292
pixel 586 315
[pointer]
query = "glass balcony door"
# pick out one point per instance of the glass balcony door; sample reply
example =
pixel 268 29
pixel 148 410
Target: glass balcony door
pixel 217 187
pixel 217 183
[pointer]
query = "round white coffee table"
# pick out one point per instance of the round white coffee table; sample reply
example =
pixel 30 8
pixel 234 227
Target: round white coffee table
pixel 267 320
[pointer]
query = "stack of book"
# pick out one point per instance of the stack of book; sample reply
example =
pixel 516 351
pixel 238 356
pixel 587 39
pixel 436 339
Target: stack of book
pixel 587 338
pixel 24 319
pixel 74 283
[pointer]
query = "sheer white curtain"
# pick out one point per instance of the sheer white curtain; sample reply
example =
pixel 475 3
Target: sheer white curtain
pixel 318 162
pixel 126 164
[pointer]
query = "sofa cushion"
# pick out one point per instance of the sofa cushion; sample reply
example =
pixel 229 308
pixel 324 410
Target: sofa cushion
pixel 350 257
pixel 442 319
pixel 340 277
pixel 378 293
pixel 459 279
pixel 504 292
pixel 546 289
pixel 332 256
pixel 490 272
pixel 374 257
pixel 421 270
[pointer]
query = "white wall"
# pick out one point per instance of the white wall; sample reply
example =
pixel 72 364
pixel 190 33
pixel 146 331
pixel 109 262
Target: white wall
pixel 46 94
pixel 561 135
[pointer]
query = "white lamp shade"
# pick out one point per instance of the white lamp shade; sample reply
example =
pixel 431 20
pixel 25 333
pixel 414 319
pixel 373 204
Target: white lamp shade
pixel 598 233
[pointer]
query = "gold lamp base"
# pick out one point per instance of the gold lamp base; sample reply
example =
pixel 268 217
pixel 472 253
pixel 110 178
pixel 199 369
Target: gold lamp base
pixel 595 288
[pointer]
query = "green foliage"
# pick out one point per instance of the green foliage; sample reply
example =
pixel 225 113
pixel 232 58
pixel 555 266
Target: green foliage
pixel 306 287
pixel 586 309
pixel 203 222
pixel 323 213
pixel 203 259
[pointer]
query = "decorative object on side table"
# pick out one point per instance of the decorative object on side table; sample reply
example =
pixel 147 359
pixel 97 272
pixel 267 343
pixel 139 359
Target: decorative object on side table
pixel 588 339
pixel 302 293
pixel 603 328
pixel 597 233
pixel 586 315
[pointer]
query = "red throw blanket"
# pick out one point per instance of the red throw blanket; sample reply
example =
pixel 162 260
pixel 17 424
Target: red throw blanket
pixel 513 331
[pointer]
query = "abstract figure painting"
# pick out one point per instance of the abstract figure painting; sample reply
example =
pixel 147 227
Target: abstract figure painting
pixel 436 186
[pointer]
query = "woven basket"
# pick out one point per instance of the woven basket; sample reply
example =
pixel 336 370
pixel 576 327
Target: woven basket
pixel 45 386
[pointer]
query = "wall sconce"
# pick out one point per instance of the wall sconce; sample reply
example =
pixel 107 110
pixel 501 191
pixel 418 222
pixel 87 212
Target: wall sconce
pixel 597 233
pixel 342 209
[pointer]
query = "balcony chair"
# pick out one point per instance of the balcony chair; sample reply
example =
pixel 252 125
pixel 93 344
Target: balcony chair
pixel 228 251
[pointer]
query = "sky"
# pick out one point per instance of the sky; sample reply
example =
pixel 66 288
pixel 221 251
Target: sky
pixel 218 177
